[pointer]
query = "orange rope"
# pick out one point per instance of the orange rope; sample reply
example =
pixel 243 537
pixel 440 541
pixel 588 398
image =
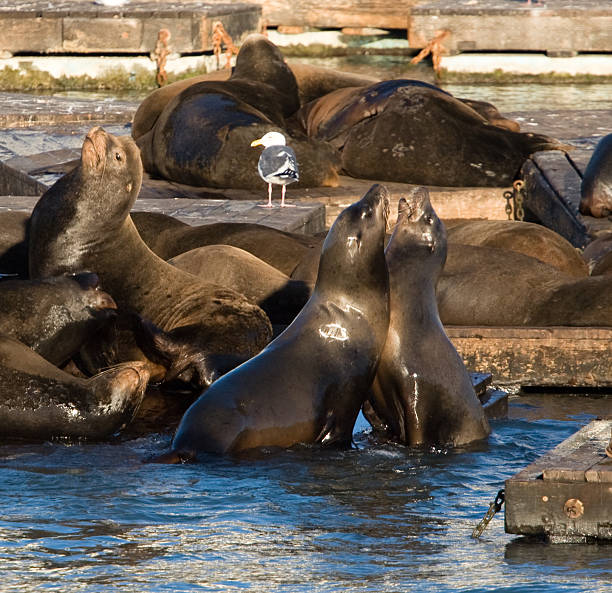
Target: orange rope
pixel 435 48
pixel 219 37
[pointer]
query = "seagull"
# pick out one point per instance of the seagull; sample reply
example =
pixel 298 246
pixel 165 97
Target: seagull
pixel 277 163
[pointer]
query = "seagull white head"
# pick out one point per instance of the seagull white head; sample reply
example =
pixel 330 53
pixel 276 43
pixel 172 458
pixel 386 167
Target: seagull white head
pixel 270 139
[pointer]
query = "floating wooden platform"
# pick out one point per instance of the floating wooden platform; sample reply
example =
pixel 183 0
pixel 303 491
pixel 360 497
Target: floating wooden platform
pixel 67 26
pixel 566 495
pixel 32 174
pixel 538 356
pixel 552 194
pixel 302 218
pixel 559 27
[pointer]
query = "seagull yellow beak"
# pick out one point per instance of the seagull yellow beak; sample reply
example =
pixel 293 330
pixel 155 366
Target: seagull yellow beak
pixel 256 142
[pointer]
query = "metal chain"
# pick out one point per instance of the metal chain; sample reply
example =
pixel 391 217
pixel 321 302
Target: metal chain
pixel 494 508
pixel 514 201
pixel 508 195
pixel 519 212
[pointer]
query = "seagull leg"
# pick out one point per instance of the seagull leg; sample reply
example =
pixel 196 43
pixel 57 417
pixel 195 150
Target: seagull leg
pixel 269 204
pixel 283 203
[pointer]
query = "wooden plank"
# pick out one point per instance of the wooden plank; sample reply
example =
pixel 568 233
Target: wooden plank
pixel 543 204
pixel 541 502
pixel 336 14
pixel 593 434
pixel 542 356
pixel 39 34
pixel 181 34
pixel 563 178
pixel 600 472
pixel 495 403
pixel 303 218
pixel 536 508
pixel 503 25
pixel 574 467
pixel 83 27
pixel 481 381
pixel 87 35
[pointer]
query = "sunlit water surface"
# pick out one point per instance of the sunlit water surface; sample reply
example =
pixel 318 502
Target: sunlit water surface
pixel 379 518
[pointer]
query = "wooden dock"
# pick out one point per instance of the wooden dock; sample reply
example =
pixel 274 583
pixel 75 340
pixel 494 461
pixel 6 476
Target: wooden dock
pixel 558 27
pixel 551 195
pixel 565 496
pixel 78 27
pixel 538 356
pixel 27 172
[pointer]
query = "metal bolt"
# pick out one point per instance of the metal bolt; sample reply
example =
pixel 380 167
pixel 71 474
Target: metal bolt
pixel 573 508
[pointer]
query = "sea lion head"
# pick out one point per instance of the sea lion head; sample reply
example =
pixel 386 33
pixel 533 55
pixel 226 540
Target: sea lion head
pixel 113 164
pixel 418 227
pixel 260 60
pixel 357 238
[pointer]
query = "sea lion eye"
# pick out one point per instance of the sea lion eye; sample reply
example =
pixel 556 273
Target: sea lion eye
pixel 118 156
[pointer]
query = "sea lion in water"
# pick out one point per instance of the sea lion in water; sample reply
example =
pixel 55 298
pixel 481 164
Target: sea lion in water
pixel 596 186
pixel 168 237
pixel 422 392
pixel 308 384
pixel 529 238
pixel 203 135
pixel 38 401
pixel 82 222
pixel 278 295
pixel 413 132
pixel 54 316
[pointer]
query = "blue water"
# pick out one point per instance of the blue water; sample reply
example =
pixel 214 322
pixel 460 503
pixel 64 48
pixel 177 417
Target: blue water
pixel 379 518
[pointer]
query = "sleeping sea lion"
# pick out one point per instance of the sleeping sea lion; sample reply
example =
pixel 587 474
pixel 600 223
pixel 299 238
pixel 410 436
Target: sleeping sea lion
pixel 414 132
pixel 54 316
pixel 38 401
pixel 203 135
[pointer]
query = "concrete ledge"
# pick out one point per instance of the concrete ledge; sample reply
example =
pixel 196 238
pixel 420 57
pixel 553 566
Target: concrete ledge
pixel 536 63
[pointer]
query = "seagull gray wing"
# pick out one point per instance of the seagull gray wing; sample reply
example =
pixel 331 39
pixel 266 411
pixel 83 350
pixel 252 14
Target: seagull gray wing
pixel 278 164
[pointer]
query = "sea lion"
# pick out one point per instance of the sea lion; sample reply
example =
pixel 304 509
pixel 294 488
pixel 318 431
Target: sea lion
pixel 91 229
pixel 38 401
pixel 203 136
pixel 308 384
pixel 312 82
pixel 491 286
pixel 579 302
pixel 413 132
pixel 54 316
pixel 603 266
pixel 169 237
pixel 262 284
pixel 14 243
pixel 492 114
pixel 597 249
pixel 529 238
pixel 596 186
pixel 422 392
